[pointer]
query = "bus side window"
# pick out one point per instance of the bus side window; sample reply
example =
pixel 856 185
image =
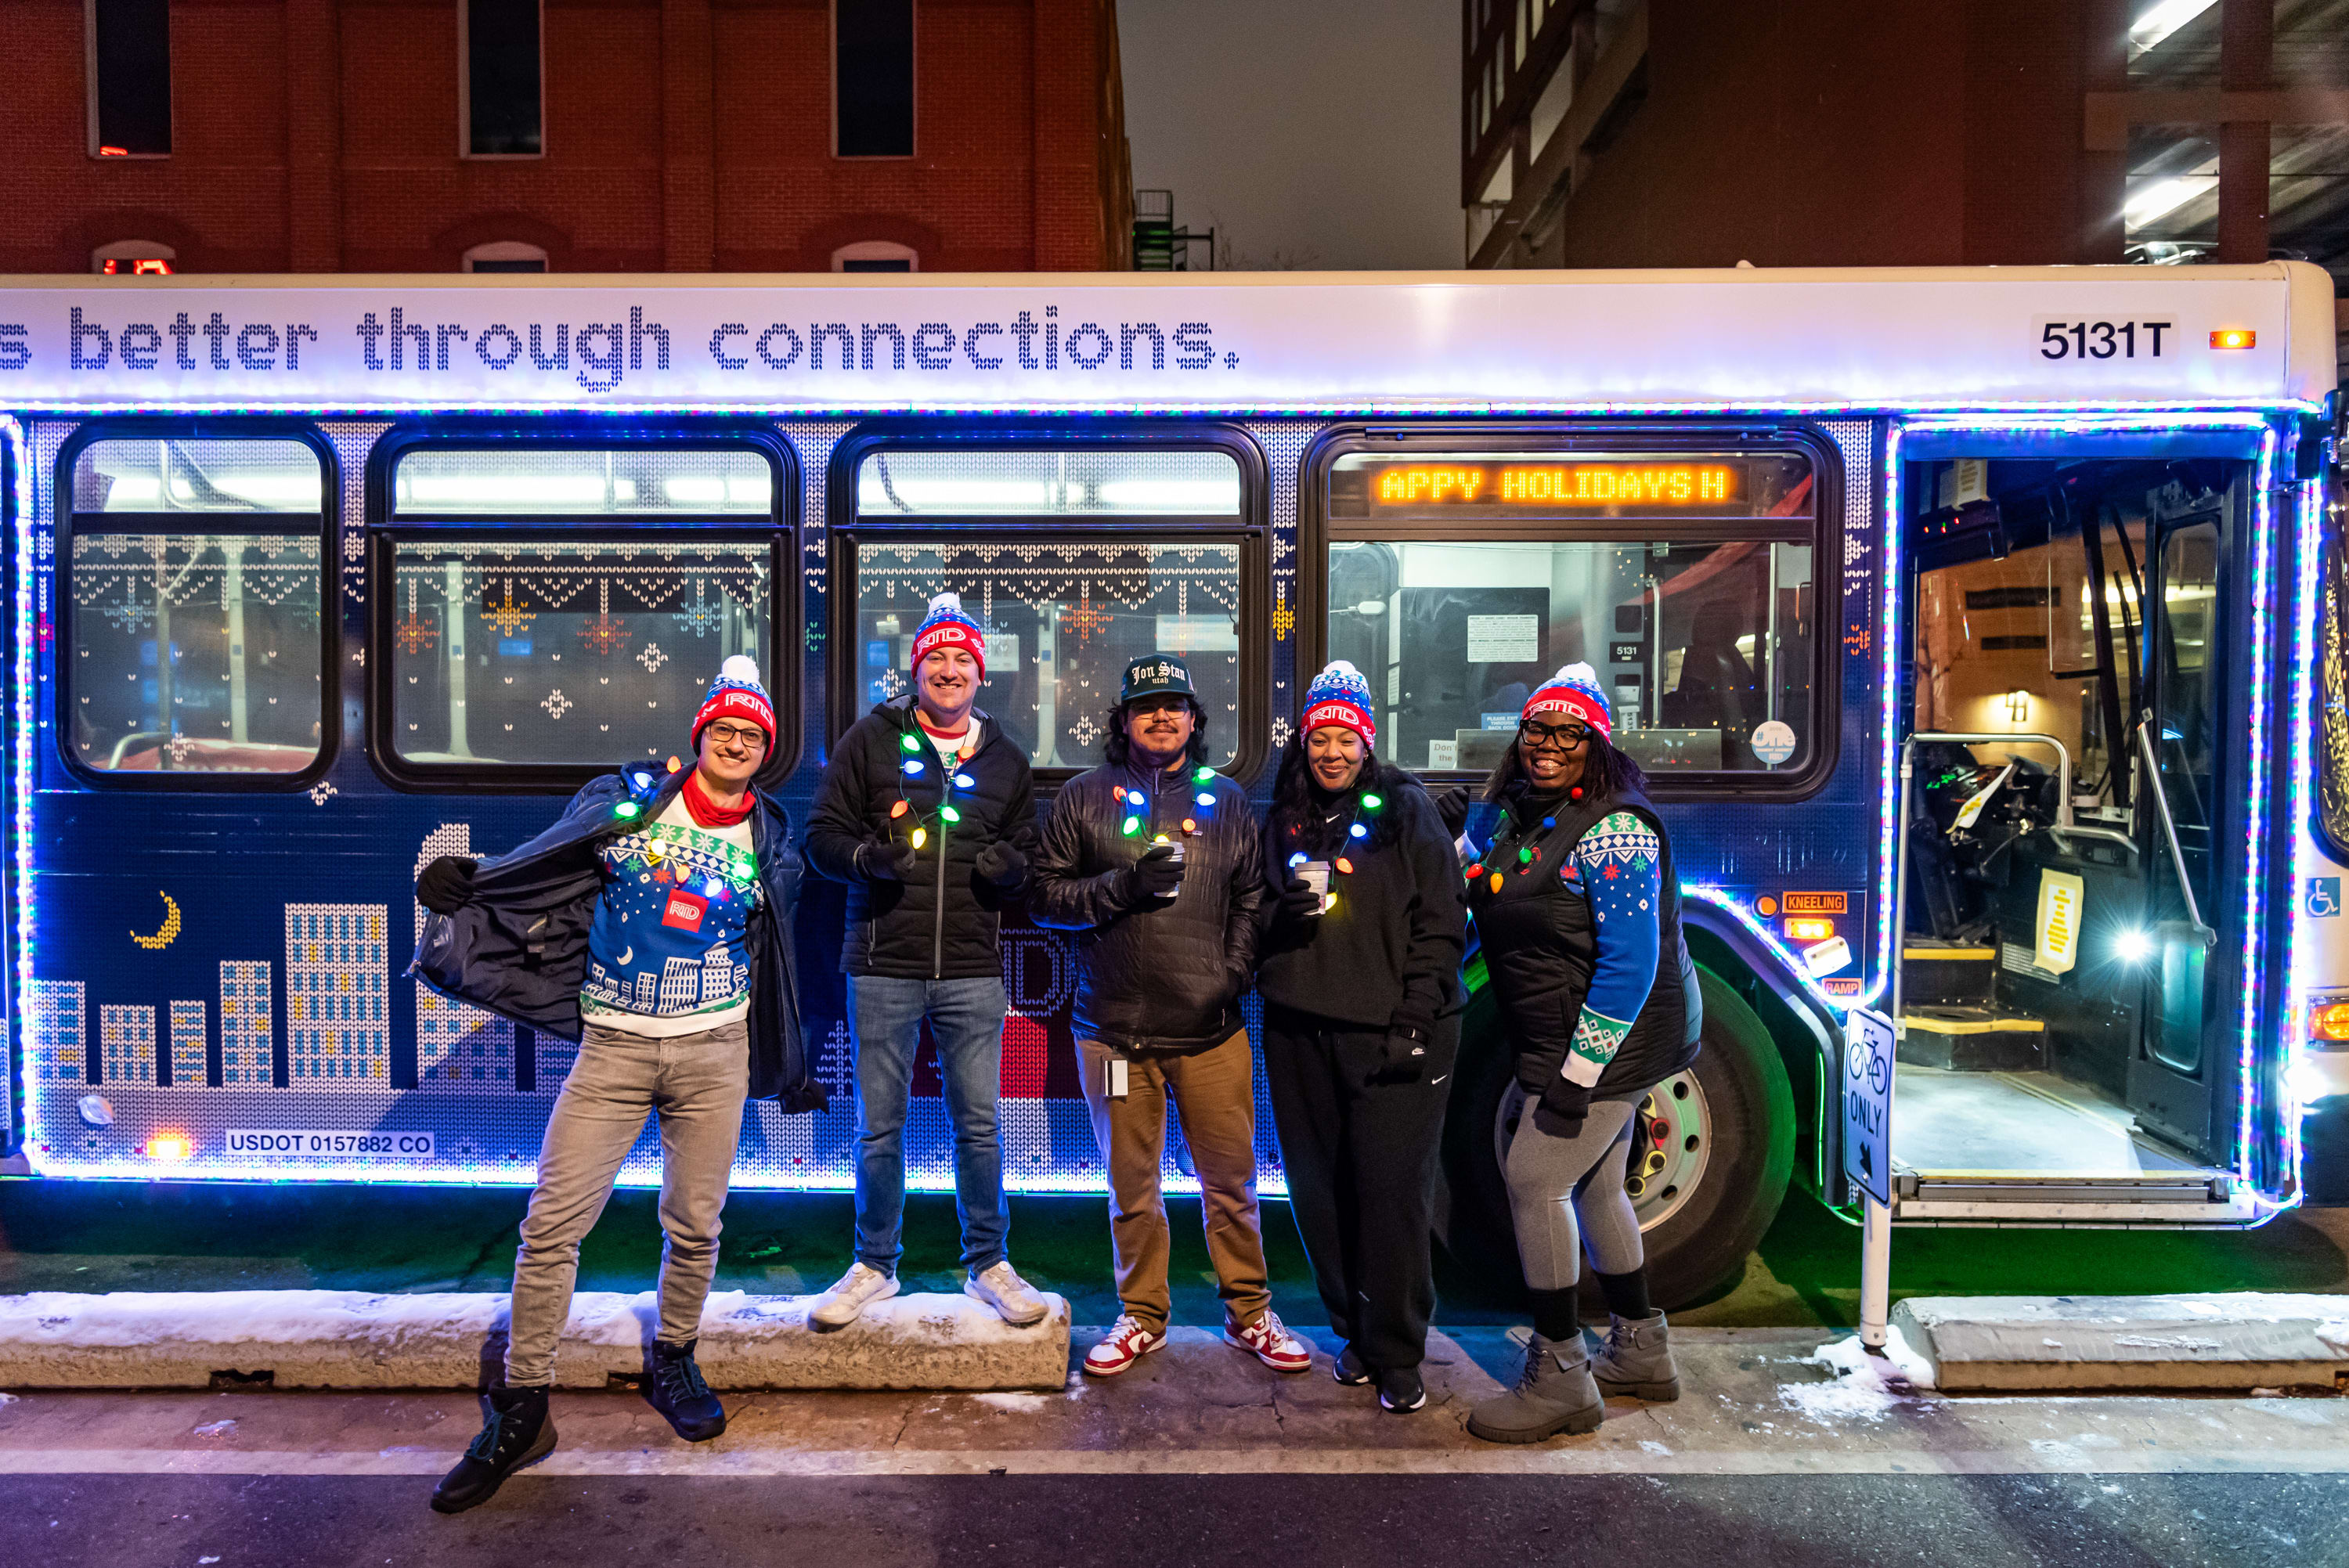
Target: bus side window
pixel 196 586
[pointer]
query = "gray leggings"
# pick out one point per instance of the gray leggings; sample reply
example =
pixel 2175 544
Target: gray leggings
pixel 1567 1193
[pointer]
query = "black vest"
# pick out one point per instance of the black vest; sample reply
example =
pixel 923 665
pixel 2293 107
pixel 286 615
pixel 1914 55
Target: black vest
pixel 1540 946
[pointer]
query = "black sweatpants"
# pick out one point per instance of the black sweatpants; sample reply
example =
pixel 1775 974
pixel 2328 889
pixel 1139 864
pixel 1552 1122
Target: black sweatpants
pixel 1360 1159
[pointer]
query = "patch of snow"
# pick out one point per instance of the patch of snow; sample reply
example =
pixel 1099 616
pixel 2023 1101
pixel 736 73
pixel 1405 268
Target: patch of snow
pixel 2267 1393
pixel 1858 1393
pixel 8 1398
pixel 1650 1446
pixel 1021 1404
pixel 201 1560
pixel 2335 1332
pixel 216 1428
pixel 1915 1367
pixel 2167 1342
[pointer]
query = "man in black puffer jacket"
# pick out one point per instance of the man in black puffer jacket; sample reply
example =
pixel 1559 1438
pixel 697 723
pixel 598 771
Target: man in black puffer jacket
pixel 1153 859
pixel 927 811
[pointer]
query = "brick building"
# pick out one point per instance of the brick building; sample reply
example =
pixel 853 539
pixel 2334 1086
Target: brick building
pixel 318 136
pixel 1848 132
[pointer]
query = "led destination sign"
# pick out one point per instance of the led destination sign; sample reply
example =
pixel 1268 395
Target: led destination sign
pixel 1365 485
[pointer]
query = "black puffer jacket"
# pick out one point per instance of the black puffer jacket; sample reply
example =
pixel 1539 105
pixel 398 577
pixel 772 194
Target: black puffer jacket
pixel 941 923
pixel 1153 974
pixel 1540 947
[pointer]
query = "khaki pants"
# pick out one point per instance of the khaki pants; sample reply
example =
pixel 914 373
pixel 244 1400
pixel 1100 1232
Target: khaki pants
pixel 697 1084
pixel 1214 1092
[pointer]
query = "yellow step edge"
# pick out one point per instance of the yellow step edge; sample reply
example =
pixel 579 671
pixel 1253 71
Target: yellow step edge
pixel 1975 1025
pixel 1926 954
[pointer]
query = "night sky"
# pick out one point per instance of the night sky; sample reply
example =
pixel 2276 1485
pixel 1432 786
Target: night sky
pixel 1312 133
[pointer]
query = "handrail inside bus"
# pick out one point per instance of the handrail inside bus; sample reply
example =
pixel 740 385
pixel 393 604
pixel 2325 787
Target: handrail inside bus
pixel 2203 933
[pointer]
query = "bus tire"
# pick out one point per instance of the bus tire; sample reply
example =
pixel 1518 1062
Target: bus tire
pixel 1736 1102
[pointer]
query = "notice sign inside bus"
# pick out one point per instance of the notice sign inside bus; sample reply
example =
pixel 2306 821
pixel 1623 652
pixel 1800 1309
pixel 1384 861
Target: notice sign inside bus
pixel 1703 485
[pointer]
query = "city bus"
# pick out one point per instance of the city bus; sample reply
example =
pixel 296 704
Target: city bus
pixel 1963 621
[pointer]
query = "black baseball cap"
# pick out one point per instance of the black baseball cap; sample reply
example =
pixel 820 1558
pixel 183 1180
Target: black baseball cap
pixel 1153 674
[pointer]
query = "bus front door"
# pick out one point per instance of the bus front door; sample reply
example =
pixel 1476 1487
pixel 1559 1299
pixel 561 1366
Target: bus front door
pixel 2060 974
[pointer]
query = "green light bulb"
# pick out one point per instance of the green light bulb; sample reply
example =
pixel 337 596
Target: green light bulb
pixel 910 744
pixel 627 808
pixel 1203 775
pixel 1372 802
pixel 1133 826
pixel 950 814
pixel 1525 857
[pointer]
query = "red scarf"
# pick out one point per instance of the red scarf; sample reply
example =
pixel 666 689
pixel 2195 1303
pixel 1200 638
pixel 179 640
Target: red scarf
pixel 708 813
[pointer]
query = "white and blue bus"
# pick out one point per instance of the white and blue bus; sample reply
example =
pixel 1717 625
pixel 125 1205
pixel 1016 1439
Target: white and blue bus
pixel 1964 620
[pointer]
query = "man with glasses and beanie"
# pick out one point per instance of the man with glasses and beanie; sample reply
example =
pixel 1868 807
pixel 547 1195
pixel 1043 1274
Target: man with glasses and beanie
pixel 651 923
pixel 1152 860
pixel 926 811
pixel 1570 879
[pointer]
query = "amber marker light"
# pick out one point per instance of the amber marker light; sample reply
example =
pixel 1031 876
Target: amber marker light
pixel 2329 1022
pixel 1809 930
pixel 172 1148
pixel 2234 337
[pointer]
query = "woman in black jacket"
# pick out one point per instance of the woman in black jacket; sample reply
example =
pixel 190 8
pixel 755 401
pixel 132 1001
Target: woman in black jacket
pixel 1361 1020
pixel 1578 914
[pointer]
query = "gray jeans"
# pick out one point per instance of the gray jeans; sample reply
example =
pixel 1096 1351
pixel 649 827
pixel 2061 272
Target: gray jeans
pixel 697 1084
pixel 1565 1194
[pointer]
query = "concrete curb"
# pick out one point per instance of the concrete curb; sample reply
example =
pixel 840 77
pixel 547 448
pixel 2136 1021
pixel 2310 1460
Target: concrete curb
pixel 2234 1340
pixel 347 1339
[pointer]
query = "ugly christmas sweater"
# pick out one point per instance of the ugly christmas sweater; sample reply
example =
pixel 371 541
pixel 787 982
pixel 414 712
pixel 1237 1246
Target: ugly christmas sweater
pixel 667 954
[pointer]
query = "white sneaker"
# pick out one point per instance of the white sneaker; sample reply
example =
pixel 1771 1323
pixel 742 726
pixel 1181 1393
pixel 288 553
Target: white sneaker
pixel 855 1290
pixel 1001 1288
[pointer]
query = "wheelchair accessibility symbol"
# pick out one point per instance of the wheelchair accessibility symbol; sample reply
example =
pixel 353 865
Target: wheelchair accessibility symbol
pixel 2324 896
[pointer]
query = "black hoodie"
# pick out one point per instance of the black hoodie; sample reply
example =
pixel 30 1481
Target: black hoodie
pixel 940 923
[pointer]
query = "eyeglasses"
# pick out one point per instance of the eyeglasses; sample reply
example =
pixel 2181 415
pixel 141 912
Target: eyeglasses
pixel 745 736
pixel 1561 736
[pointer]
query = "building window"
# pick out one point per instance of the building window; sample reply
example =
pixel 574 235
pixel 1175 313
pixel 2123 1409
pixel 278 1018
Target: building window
pixel 195 637
pixel 134 258
pixel 876 257
pixel 129 50
pixel 502 105
pixel 505 256
pixel 873 78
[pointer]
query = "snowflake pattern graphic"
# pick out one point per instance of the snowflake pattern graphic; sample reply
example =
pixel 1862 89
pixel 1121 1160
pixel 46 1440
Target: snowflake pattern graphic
pixel 556 704
pixel 652 658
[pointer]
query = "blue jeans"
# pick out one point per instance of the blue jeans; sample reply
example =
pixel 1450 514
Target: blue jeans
pixel 966 1021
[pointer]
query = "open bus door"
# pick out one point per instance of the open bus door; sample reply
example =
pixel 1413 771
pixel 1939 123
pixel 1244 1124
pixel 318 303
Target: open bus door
pixel 2069 979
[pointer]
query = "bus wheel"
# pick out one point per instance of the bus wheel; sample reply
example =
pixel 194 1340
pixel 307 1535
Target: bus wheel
pixel 1713 1150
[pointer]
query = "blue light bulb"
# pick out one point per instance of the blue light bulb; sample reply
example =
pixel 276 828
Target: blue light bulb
pixel 912 767
pixel 1359 831
pixel 964 782
pixel 1204 797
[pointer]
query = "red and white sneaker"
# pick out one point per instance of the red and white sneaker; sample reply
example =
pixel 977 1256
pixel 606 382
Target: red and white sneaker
pixel 1269 1341
pixel 1126 1343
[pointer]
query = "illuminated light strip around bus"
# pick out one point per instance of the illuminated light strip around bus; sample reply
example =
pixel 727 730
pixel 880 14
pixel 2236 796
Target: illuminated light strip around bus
pixel 1985 419
pixel 2303 721
pixel 2262 634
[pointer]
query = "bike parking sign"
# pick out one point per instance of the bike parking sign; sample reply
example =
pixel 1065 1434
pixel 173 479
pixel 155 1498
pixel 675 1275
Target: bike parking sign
pixel 1867 1103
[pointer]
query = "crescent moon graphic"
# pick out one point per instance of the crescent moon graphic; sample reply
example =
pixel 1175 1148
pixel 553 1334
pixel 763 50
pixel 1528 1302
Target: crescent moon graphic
pixel 164 932
pixel 627 953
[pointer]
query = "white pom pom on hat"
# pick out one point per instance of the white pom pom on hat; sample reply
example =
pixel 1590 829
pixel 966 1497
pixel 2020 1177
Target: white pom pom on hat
pixel 741 667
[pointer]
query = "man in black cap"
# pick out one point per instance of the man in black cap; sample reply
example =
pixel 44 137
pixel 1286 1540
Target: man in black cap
pixel 1153 859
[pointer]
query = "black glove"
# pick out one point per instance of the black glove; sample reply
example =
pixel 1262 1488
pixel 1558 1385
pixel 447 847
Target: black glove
pixel 1002 863
pixel 892 861
pixel 1298 901
pixel 1453 807
pixel 1566 1103
pixel 446 885
pixel 1402 1056
pixel 1156 874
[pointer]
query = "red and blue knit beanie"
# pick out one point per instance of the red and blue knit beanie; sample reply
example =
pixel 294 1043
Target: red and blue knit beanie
pixel 1339 696
pixel 737 693
pixel 1574 692
pixel 947 626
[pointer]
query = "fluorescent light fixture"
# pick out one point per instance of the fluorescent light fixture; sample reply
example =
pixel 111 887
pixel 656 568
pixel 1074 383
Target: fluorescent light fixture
pixel 502 490
pixel 951 494
pixel 294 490
pixel 715 490
pixel 2160 19
pixel 2165 197
pixel 1172 495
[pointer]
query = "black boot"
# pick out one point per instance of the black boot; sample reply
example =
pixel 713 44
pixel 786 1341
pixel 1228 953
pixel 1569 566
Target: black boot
pixel 516 1431
pixel 676 1389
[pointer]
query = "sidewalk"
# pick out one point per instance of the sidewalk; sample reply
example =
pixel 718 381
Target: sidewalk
pixel 1757 1402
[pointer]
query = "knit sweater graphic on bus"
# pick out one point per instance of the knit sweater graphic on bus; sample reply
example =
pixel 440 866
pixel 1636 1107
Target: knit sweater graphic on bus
pixel 666 953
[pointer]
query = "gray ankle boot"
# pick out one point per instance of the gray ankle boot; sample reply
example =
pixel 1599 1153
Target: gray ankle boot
pixel 1637 1359
pixel 1553 1394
